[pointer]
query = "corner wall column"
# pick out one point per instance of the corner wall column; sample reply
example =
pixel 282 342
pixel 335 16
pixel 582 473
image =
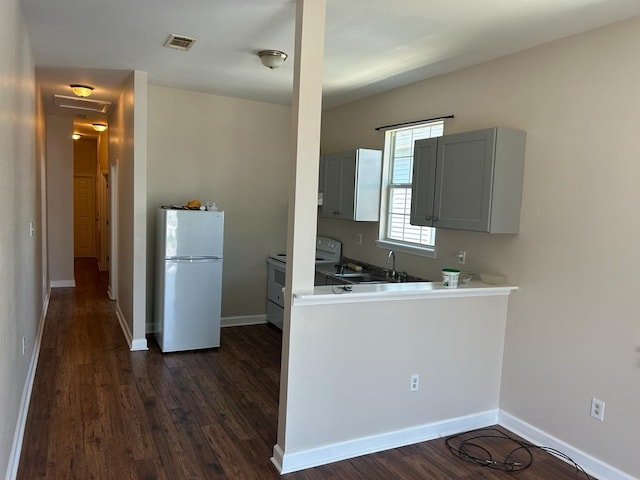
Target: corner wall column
pixel 305 148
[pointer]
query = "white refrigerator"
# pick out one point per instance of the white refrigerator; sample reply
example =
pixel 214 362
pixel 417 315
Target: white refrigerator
pixel 188 279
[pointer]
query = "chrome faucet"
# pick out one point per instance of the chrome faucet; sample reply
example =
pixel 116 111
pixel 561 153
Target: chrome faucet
pixel 391 258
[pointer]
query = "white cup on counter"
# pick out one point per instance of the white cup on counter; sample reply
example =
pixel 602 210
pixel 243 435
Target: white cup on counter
pixel 450 277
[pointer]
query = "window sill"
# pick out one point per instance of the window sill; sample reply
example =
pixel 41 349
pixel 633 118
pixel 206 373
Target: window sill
pixel 429 252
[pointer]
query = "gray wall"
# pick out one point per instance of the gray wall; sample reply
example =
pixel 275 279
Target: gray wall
pixel 23 276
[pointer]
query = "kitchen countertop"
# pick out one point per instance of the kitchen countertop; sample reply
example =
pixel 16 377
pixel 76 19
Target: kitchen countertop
pixel 329 271
pixel 384 292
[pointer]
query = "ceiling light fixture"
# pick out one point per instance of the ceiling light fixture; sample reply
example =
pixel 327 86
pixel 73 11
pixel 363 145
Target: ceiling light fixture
pixel 81 90
pixel 76 136
pixel 272 58
pixel 99 127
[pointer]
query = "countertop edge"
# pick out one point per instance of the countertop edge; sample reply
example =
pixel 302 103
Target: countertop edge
pixel 333 294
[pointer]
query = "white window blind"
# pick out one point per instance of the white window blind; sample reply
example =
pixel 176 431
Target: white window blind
pixel 395 227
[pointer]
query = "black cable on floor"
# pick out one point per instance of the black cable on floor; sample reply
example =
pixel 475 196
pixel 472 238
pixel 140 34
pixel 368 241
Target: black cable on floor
pixel 466 446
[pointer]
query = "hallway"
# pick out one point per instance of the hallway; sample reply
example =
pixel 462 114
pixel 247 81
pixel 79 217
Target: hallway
pixel 99 411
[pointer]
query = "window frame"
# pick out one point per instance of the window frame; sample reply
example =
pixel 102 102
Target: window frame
pixel 383 240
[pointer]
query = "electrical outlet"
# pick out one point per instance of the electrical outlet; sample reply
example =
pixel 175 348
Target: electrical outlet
pixel 597 409
pixel 358 239
pixel 414 383
pixel 462 257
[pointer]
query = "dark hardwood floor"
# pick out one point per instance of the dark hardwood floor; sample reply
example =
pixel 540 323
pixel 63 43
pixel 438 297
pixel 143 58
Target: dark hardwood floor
pixel 99 411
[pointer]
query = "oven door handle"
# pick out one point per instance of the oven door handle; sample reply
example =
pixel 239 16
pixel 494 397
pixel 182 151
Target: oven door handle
pixel 277 264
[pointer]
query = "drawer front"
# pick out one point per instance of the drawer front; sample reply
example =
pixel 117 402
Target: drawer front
pixel 275 314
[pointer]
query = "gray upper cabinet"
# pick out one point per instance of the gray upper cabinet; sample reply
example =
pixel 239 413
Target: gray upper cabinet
pixel 351 185
pixel 469 181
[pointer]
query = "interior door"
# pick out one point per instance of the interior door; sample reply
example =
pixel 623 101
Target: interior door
pixel 84 200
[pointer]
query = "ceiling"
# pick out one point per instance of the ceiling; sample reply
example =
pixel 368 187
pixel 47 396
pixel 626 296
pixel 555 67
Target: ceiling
pixel 370 45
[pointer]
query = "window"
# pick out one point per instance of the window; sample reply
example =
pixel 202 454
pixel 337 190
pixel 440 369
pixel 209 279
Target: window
pixel 395 229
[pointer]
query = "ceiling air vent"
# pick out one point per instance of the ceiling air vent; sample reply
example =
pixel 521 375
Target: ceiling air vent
pixel 81 103
pixel 179 42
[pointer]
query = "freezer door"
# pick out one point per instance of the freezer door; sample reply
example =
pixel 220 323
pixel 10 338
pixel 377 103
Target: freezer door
pixel 190 305
pixel 192 233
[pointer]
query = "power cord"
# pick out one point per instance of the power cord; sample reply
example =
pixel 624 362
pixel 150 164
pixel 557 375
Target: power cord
pixel 466 447
pixel 341 288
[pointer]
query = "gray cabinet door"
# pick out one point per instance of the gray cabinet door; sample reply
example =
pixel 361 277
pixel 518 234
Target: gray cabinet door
pixel 464 176
pixel 469 181
pixel 423 182
pixel 339 182
pixel 332 177
pixel 352 185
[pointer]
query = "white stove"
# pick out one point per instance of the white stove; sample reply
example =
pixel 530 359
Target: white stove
pixel 328 251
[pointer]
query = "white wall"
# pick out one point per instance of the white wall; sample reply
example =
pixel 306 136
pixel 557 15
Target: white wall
pixel 233 152
pixel 59 154
pixel 127 148
pixel 350 365
pixel 306 115
pixel 23 278
pixel 573 328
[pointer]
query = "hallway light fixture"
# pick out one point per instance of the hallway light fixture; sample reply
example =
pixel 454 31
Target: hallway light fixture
pixel 76 136
pixel 81 90
pixel 99 127
pixel 272 58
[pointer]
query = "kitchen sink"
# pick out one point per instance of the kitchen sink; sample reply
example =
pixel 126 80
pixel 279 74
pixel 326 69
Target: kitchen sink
pixel 358 277
pixel 364 277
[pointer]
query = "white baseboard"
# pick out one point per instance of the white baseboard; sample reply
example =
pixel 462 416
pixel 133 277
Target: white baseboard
pixel 534 435
pixel 244 320
pixel 18 436
pixel 62 283
pixel 227 322
pixel 278 454
pixel 123 325
pixel 135 344
pixel 139 344
pixel 300 460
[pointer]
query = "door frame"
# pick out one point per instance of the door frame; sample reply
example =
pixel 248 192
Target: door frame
pixel 113 224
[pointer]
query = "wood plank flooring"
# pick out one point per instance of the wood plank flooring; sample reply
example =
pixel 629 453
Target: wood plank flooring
pixel 99 411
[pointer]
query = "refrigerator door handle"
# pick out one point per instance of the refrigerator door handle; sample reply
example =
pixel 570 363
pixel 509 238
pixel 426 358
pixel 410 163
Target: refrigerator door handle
pixel 193 259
